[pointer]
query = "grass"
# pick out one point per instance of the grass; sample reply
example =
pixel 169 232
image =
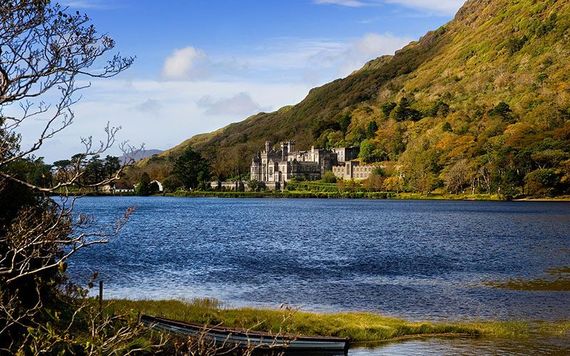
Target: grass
pixel 328 194
pixel 287 194
pixel 360 327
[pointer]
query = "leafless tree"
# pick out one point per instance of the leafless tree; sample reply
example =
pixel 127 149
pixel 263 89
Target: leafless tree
pixel 47 57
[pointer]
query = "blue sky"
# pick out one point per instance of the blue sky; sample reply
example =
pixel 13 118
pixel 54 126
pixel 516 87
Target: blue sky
pixel 202 64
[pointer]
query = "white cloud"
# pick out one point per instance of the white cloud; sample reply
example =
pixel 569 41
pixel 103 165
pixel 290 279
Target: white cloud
pixel 369 47
pixel 239 104
pixel 90 4
pixel 162 113
pixel 185 63
pixel 440 6
pixel 321 61
pixel 174 116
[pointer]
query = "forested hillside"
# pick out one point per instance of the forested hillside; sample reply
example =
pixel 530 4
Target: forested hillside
pixel 480 104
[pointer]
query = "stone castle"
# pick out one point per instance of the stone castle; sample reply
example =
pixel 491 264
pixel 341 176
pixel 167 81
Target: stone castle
pixel 276 167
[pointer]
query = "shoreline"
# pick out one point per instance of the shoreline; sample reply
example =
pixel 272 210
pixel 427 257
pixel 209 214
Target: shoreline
pixel 335 195
pixel 360 327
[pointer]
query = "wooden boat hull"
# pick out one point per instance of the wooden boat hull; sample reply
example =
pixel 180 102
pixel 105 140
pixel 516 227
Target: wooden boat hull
pixel 242 338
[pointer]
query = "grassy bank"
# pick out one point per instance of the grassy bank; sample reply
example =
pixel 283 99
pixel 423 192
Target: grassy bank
pixel 359 327
pixel 336 195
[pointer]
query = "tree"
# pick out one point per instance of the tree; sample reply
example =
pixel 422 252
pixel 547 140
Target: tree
pixel 387 108
pixel 542 182
pixel 375 182
pixel 191 169
pixel 404 112
pixel 371 129
pixel 369 152
pixel 110 166
pixel 344 123
pixel 458 176
pixel 256 186
pixel 143 187
pixel 172 183
pixel 439 108
pixel 502 110
pixel 93 171
pixel 44 50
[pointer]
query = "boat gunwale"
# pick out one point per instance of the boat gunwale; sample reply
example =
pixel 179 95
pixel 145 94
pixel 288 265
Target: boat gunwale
pixel 235 331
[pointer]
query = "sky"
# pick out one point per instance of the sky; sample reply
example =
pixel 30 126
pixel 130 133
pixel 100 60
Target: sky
pixel 202 64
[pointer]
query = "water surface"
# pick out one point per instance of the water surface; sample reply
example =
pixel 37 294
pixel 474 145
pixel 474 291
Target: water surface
pixel 414 259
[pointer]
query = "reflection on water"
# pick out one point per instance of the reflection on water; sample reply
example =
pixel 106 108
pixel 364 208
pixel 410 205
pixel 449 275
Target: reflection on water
pixel 469 346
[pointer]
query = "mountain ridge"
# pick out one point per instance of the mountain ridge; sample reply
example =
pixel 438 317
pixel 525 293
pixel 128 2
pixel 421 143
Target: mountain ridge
pixel 495 76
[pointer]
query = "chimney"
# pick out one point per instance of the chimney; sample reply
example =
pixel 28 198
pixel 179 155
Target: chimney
pixel 267 146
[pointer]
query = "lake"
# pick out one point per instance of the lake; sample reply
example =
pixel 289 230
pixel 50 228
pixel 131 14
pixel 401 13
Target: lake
pixel 411 259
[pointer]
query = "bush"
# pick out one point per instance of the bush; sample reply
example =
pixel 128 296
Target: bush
pixel 542 182
pixel 329 177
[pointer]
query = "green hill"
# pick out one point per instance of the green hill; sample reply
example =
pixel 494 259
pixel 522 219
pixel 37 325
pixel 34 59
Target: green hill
pixel 482 103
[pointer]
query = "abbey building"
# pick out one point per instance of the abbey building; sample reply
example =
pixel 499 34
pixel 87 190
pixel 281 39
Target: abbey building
pixel 275 167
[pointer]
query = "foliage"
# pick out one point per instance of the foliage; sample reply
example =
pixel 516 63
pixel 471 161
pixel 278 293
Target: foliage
pixel 371 129
pixel 459 176
pixel 387 108
pixel 329 177
pixel 143 187
pixel 191 169
pixel 503 111
pixel 542 182
pixel 370 152
pixel 256 186
pixel 172 183
pixel 404 111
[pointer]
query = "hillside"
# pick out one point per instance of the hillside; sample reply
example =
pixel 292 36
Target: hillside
pixel 485 97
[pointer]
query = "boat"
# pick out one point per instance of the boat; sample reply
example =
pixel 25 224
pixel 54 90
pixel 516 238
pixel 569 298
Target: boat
pixel 291 344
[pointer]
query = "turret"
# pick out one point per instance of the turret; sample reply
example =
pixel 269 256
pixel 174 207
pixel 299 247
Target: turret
pixel 284 151
pixel 291 146
pixel 267 146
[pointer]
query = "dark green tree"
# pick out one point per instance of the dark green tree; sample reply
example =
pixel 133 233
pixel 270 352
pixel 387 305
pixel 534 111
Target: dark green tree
pixel 94 170
pixel 502 110
pixel 143 187
pixel 111 165
pixel 387 108
pixel 344 123
pixel 191 169
pixel 371 129
pixel 172 183
pixel 404 112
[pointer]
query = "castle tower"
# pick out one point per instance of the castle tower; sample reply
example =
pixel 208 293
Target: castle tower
pixel 284 151
pixel 291 146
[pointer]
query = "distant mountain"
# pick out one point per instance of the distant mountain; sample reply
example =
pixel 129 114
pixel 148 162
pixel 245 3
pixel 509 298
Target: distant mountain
pixel 487 93
pixel 141 155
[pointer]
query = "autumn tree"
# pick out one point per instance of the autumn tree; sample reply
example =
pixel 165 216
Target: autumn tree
pixel 459 176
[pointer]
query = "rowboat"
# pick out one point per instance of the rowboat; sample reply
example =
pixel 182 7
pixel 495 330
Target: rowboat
pixel 247 339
